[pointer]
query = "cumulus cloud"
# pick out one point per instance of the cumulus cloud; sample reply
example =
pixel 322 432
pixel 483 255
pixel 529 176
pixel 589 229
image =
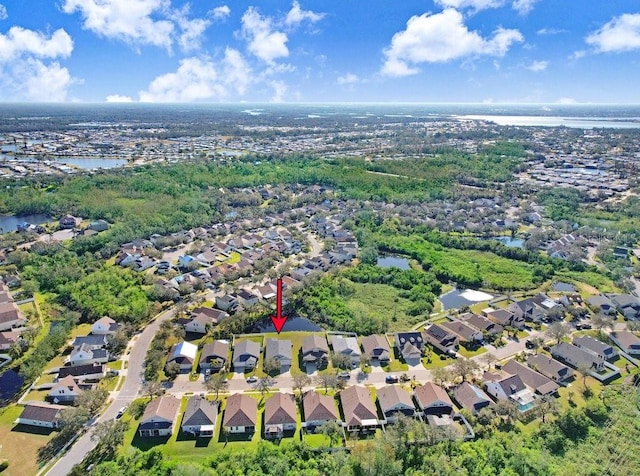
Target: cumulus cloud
pixel 538 66
pixel 550 31
pixel 3 12
pixel 523 6
pixel 264 41
pixel 24 74
pixel 297 15
pixel 620 34
pixel 20 41
pixel 190 37
pixel 118 98
pixel 348 78
pixel 221 12
pixel 279 90
pixel 199 79
pixel 441 37
pixel 132 21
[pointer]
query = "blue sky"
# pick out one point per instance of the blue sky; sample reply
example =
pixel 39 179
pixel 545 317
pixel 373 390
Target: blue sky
pixel 494 51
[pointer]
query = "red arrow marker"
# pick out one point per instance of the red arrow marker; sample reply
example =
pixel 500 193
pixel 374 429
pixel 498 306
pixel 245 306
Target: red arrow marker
pixel 279 320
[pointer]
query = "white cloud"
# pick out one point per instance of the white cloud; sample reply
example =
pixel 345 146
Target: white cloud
pixel 19 42
pixel 538 66
pixel 348 78
pixel 118 98
pixel 279 90
pixel 550 31
pixel 30 79
pixel 265 41
pixel 523 7
pixel 566 100
pixel 297 15
pixel 620 34
pixel 3 12
pixel 131 21
pixel 221 12
pixel 476 5
pixel 576 55
pixel 190 37
pixel 199 79
pixel 441 37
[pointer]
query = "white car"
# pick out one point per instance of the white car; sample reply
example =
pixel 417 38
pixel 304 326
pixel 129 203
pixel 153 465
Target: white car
pixel 121 412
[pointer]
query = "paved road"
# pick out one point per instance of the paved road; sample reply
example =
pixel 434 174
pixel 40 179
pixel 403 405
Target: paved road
pixel 129 391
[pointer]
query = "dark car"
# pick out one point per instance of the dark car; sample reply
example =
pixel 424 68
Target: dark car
pixel 391 379
pixel 529 344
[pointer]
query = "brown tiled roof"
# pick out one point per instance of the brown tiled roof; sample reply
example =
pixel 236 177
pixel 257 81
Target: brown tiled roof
pixel 391 395
pixel 280 409
pixel 241 410
pixel 357 405
pixel 165 407
pixel 429 393
pixel 318 407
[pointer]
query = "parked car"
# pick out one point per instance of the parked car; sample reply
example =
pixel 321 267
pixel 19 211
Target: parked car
pixel 391 379
pixel 529 344
pixel 121 412
pixel 344 375
pixel 252 379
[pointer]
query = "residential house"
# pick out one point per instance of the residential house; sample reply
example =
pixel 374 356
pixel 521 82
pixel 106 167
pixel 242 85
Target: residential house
pixel 606 351
pixel 40 414
pixel 627 305
pixel 465 333
pixel 551 368
pixel 105 325
pixel 409 345
pixel 433 399
pixel 245 355
pixel 471 397
pixel 240 414
pixel 84 354
pixel 65 391
pixel 536 382
pixel 83 372
pixel 481 323
pixel 200 417
pixel 395 399
pixel 99 225
pixel 279 415
pixel 10 316
pixel 247 299
pixel 510 388
pixel 8 338
pixel 601 304
pixel 347 346
pixel 528 309
pixel 266 292
pixel 627 341
pixel 67 222
pixel 318 409
pixel 441 339
pixel 279 349
pixel 93 341
pixel 504 317
pixel 214 355
pixel 359 411
pixel 577 357
pixel 377 348
pixel 202 317
pixel 159 417
pixel 227 303
pixel 184 354
pixel 315 352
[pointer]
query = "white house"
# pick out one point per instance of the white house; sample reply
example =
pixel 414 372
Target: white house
pixel 84 354
pixel 66 390
pixel 105 325
pixel 184 353
pixel 240 414
pixel 40 414
pixel 347 346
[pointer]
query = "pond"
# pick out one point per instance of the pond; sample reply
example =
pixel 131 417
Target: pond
pixel 393 262
pixel 10 383
pixel 10 222
pixel 92 163
pixel 293 324
pixel 510 242
pixel 563 287
pixel 462 297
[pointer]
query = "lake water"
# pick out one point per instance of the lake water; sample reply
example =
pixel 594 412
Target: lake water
pixel 10 383
pixel 292 324
pixel 393 262
pixel 89 164
pixel 10 222
pixel 510 242
pixel 563 287
pixel 462 297
pixel 557 121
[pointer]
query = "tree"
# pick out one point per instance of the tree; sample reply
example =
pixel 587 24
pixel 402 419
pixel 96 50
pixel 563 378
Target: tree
pixel 271 366
pixel 118 341
pixel 172 369
pixel 489 358
pixel 92 400
pixel 109 435
pixel 218 383
pixel 464 367
pixel 72 419
pixel 263 385
pixel 300 380
pixel 633 326
pixel 547 405
pixel 332 430
pixel 601 321
pixel 584 371
pixel 152 389
pixel 327 381
pixel 537 342
pixel 558 331
pixel 507 411
pixel 341 361
pixel 441 376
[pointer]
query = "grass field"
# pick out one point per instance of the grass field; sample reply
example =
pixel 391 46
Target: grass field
pixel 20 444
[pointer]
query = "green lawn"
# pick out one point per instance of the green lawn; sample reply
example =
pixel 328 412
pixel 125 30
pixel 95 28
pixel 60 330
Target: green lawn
pixel 81 330
pixel 317 440
pixel 469 353
pixel 395 366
